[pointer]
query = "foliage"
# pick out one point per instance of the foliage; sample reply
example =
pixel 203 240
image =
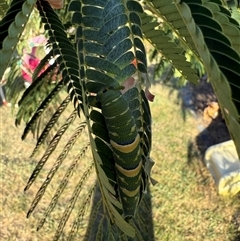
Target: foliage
pixel 107 50
pixel 183 205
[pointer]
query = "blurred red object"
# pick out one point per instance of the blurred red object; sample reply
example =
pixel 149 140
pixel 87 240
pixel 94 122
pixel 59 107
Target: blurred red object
pixel 28 68
pixel 29 64
pixel 57 4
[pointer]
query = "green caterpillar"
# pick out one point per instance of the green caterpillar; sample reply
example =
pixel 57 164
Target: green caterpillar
pixel 125 142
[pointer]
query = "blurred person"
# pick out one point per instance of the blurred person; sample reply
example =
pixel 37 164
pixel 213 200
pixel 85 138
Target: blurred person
pixel 2 82
pixel 2 95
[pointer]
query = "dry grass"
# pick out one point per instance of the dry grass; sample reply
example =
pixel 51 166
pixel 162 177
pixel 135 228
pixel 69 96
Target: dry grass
pixel 185 203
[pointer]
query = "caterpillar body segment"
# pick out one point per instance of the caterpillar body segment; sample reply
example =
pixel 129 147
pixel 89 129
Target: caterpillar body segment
pixel 127 160
pixel 118 117
pixel 125 143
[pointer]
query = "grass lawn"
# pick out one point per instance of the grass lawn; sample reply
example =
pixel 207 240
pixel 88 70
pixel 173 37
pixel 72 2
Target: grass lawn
pixel 185 204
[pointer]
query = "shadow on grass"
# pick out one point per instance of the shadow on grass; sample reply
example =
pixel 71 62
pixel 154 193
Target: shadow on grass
pixel 196 151
pixel 143 221
pixel 236 223
pixel 216 132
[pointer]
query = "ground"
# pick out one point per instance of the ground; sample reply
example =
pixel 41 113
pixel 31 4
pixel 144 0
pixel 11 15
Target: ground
pixel 212 131
pixel 184 203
